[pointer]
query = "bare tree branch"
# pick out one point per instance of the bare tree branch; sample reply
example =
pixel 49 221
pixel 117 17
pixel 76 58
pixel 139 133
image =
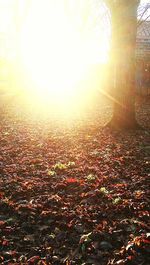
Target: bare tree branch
pixel 145 10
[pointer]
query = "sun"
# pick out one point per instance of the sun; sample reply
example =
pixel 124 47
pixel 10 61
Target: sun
pixel 55 54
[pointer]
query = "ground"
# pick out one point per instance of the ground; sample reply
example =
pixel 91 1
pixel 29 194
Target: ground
pixel 73 193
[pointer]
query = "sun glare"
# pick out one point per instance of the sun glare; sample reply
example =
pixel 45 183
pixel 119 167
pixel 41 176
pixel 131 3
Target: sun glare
pixel 56 55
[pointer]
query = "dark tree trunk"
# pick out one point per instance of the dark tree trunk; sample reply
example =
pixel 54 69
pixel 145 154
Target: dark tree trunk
pixel 124 29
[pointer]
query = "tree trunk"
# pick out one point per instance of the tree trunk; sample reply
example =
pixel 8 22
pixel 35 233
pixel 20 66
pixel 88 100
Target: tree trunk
pixel 124 29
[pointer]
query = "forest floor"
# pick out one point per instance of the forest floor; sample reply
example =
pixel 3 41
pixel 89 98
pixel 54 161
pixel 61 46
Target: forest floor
pixel 74 193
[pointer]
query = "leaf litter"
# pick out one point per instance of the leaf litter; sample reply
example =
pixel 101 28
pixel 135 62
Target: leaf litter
pixel 75 194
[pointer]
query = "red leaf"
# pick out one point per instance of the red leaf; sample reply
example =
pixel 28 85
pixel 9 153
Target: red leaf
pixel 71 180
pixel 34 259
pixel 2 223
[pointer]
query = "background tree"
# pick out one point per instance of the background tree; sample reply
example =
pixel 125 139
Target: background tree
pixel 123 45
pixel 143 13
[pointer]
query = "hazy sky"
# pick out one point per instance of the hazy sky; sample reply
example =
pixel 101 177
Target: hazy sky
pixel 9 10
pixel 7 7
pixel 145 2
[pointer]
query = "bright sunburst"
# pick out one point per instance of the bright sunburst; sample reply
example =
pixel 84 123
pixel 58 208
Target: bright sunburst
pixel 56 54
